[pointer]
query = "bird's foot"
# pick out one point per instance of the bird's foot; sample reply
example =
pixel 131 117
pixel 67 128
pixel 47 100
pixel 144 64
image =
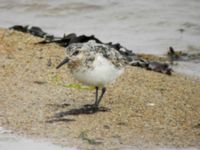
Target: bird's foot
pixel 91 106
pixel 95 108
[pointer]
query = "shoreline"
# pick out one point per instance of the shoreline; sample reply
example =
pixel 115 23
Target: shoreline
pixel 152 108
pixel 11 141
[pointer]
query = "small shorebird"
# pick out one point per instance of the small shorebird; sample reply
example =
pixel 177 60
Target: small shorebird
pixel 94 64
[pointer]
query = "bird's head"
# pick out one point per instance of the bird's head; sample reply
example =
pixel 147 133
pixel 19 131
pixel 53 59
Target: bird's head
pixel 75 53
pixel 71 56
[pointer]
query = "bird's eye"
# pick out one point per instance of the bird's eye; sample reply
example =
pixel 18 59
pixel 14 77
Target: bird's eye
pixel 75 53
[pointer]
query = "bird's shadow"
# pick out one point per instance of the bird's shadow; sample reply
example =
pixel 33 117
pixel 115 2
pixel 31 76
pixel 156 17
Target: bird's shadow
pixel 83 110
pixel 52 120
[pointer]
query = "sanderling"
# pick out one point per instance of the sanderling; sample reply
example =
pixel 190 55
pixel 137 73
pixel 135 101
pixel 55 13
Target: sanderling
pixel 94 64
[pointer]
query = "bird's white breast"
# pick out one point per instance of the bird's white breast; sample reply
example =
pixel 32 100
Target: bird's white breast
pixel 101 73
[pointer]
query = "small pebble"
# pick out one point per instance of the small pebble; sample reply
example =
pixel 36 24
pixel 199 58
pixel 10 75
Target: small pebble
pixel 150 104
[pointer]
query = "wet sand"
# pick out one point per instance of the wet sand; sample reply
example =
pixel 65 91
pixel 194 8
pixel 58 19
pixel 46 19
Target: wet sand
pixel 142 109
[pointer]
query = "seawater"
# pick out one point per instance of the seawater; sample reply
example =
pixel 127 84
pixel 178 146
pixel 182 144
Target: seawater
pixel 10 141
pixel 143 26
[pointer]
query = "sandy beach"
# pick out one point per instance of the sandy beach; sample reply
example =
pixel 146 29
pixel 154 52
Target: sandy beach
pixel 142 109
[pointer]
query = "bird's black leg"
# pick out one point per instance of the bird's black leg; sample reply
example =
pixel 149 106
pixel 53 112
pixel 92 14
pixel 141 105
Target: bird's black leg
pixel 96 97
pixel 101 96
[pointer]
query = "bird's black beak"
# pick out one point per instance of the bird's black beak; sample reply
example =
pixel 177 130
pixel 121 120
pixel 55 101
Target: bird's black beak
pixel 66 60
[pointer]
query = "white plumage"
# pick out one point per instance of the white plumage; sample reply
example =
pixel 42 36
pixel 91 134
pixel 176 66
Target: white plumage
pixel 101 73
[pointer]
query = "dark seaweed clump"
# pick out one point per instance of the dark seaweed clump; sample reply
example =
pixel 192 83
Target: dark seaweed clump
pixel 68 39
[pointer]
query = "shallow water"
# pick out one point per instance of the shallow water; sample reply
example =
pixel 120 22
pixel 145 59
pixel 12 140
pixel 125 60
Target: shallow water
pixel 144 26
pixel 10 141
